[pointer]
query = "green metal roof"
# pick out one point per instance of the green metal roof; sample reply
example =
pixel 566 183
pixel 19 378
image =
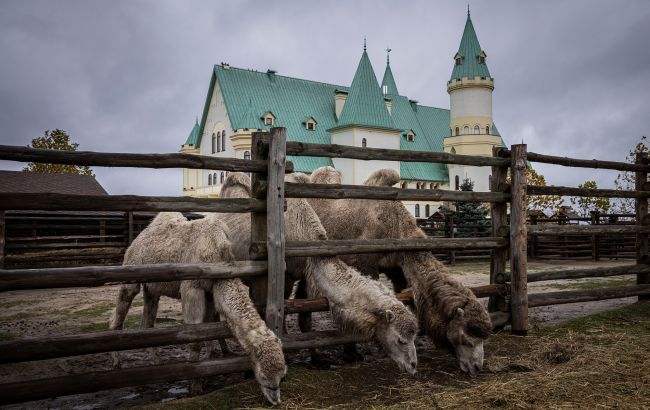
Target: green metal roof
pixel 365 104
pixel 469 49
pixel 249 119
pixel 195 136
pixel 389 81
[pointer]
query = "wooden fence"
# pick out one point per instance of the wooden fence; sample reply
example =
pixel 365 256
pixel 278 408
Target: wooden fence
pixel 507 289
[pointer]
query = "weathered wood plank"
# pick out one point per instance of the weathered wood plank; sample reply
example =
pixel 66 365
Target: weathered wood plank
pixel 345 151
pixel 89 276
pixel 548 229
pixel 587 273
pixel 3 224
pixel 54 202
pixel 499 216
pixel 518 241
pixel 352 246
pixel 581 163
pixel 641 207
pixel 570 191
pixel 275 234
pixel 293 190
pixel 586 295
pixel 116 159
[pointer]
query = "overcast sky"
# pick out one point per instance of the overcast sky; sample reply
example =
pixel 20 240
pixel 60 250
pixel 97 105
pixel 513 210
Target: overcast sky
pixel 572 77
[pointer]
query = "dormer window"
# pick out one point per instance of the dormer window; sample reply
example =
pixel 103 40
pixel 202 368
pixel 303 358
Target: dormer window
pixel 310 124
pixel 459 59
pixel 269 118
pixel 481 57
pixel 410 136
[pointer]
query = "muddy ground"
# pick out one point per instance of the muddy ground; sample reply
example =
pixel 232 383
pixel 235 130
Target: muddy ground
pixel 68 311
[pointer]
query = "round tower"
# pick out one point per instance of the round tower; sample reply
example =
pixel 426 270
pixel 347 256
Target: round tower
pixel 471 127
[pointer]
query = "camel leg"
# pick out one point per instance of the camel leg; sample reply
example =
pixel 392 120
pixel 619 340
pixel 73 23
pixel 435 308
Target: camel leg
pixel 149 313
pixel 194 312
pixel 125 297
pixel 304 319
pixel 211 315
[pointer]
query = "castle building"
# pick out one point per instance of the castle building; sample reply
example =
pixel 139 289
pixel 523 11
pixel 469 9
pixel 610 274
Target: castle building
pixel 364 114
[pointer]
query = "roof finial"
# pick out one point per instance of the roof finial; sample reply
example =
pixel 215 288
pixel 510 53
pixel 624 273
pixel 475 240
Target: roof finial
pixel 364 44
pixel 388 50
pixel 467 10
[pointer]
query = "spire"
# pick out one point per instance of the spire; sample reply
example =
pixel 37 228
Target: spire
pixel 389 81
pixel 365 103
pixel 469 52
pixel 249 119
pixel 193 138
pixel 364 44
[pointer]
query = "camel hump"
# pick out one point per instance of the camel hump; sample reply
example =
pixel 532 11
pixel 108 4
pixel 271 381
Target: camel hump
pixel 297 177
pixel 236 185
pixel 325 175
pixel 383 177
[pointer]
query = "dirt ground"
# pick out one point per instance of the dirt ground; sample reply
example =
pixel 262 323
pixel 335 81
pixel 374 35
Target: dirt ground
pixel 374 382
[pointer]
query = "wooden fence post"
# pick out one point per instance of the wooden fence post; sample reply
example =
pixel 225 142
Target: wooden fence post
pixel 130 227
pixel 452 234
pixel 642 257
pixel 518 235
pixel 499 215
pixel 259 151
pixel 3 224
pixel 275 235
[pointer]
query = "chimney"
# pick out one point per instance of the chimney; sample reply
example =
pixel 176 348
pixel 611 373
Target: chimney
pixel 339 100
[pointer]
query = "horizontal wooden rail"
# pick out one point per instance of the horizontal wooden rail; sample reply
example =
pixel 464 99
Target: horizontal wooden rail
pixel 31 349
pixel 88 276
pixel 346 151
pixel 65 245
pixel 586 295
pixel 353 246
pixel 293 190
pixel 580 163
pixel 116 159
pixel 38 389
pixel 547 229
pixel 54 202
pixel 588 272
pixel 570 191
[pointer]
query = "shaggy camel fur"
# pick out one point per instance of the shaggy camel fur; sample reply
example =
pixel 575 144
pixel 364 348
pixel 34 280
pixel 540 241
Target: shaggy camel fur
pixel 170 238
pixel 360 305
pixel 449 312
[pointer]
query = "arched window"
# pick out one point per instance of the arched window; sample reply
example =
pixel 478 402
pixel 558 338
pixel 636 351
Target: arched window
pixel 218 141
pixel 214 143
pixel 466 130
pixel 214 179
pixel 222 175
pixel 477 129
pixel 364 143
pixel 405 185
pixel 457 131
pixel 431 186
pixel 451 132
pixel 453 150
pixel 427 210
pixel 457 182
pixel 487 130
pixel 223 140
pixel 417 210
pixel 247 155
pixel 210 179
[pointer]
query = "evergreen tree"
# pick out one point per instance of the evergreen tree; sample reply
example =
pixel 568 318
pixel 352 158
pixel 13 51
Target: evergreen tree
pixel 470 218
pixel 57 139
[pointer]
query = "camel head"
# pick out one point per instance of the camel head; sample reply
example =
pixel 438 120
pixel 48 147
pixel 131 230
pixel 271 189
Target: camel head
pixel 469 327
pixel 396 330
pixel 269 366
pixel 236 185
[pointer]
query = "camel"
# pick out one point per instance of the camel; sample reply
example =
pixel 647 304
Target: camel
pixel 171 238
pixel 448 311
pixel 360 305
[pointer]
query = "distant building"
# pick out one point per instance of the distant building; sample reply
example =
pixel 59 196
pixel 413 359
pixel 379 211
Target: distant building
pixel 40 182
pixel 364 114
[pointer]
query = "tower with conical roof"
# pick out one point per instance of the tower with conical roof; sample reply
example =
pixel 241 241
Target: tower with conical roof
pixel 471 126
pixel 364 121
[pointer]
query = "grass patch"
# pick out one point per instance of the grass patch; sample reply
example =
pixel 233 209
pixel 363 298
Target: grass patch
pixel 14 303
pixel 131 322
pixel 607 283
pixel 99 310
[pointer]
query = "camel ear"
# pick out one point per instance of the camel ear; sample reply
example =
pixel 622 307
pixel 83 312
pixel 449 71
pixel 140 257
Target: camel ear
pixel 460 312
